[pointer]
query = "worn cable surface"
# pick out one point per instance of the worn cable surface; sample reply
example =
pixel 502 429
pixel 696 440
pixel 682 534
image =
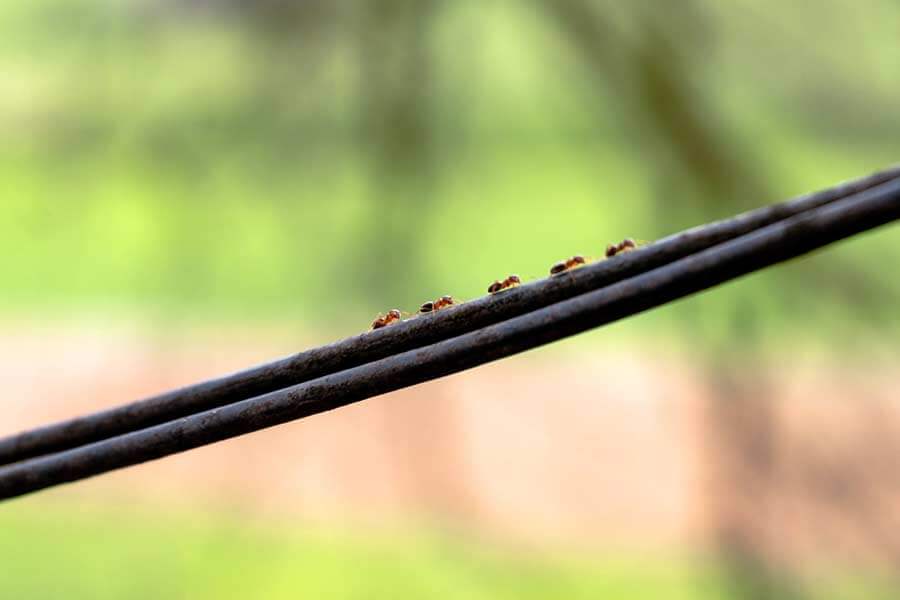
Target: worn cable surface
pixel 766 246
pixel 407 335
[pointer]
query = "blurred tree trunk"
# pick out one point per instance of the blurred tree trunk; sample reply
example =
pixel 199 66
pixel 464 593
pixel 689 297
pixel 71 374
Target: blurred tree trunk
pixel 652 73
pixel 396 127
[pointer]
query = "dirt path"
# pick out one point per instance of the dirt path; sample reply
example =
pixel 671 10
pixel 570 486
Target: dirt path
pixel 546 446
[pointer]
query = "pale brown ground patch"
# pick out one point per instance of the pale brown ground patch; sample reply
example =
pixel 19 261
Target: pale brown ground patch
pixel 603 447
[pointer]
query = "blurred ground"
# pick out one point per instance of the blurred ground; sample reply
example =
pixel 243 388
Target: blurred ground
pixel 540 449
pixel 614 448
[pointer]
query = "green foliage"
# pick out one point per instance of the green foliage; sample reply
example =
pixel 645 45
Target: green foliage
pixel 101 552
pixel 204 165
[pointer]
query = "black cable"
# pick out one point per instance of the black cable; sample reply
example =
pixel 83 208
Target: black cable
pixel 769 245
pixel 414 333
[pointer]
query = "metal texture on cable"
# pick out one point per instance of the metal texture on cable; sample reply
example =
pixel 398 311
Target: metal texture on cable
pixel 410 334
pixel 728 260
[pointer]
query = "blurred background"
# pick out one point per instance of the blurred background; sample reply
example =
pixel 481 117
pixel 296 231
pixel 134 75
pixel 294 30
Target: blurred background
pixel 192 187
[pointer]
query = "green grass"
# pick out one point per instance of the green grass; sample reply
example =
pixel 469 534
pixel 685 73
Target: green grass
pixel 51 553
pixel 48 551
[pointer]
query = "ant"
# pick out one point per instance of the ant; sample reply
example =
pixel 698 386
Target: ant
pixel 499 286
pixel 392 316
pixel 565 265
pixel 624 246
pixel 442 302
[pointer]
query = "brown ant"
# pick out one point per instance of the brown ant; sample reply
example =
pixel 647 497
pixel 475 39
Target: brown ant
pixel 499 286
pixel 565 265
pixel 442 302
pixel 624 246
pixel 384 320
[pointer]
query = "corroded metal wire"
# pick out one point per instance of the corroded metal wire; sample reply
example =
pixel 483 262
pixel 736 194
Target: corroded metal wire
pixel 780 241
pixel 407 335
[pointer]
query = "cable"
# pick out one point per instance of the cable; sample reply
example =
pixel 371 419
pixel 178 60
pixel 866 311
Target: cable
pixel 774 243
pixel 413 333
